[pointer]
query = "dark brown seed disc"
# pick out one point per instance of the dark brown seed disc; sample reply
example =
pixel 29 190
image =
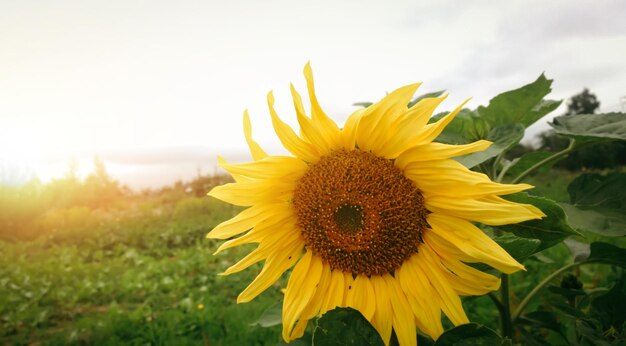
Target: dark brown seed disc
pixel 359 212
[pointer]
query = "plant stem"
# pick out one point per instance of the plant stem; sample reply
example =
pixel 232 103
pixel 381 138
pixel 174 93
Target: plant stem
pixel 505 313
pixel 526 300
pixel 496 301
pixel 494 166
pixel 548 159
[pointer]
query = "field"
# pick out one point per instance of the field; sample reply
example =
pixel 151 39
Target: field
pixel 137 269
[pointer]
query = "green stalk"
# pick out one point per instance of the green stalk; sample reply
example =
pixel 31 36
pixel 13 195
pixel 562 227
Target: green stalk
pixel 505 313
pixel 547 160
pixel 526 300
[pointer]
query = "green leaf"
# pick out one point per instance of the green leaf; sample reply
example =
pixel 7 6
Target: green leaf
pixel 550 230
pixel 543 319
pixel 272 316
pixel 471 334
pixel 610 308
pixel 518 248
pixel 363 104
pixel 466 127
pixel 567 292
pixel 417 99
pixel 606 223
pixel 345 326
pixel 591 329
pixel 566 309
pixel 607 253
pixel 503 137
pixel 305 340
pixel 594 190
pixel 592 127
pixel 524 105
pixel 595 205
pixel 528 160
pixel 580 251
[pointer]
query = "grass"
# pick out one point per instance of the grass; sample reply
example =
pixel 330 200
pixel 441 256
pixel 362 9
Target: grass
pixel 135 278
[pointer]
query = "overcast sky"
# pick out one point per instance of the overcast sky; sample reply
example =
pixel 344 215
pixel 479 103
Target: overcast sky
pixel 127 80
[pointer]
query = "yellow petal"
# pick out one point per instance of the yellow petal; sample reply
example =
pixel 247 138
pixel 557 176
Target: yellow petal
pixel 275 265
pixel 262 252
pixel 434 151
pixel 245 220
pixel 349 129
pixel 238 178
pixel 464 279
pixel 418 115
pixel 258 191
pixel 300 289
pixel 451 178
pixel 403 320
pixel 271 167
pixel 348 282
pixel 300 113
pixel 274 228
pixel 376 125
pixel 327 127
pixel 382 319
pixel 334 296
pixel 317 136
pixel 470 240
pixel 315 304
pixel 409 126
pixel 450 301
pixel 431 131
pixel 360 296
pixel 489 210
pixel 419 291
pixel 255 149
pixel 289 139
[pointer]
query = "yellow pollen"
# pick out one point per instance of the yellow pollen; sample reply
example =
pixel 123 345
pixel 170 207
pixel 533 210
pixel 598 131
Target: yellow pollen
pixel 359 212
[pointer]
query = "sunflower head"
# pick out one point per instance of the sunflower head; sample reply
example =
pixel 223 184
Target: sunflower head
pixel 373 215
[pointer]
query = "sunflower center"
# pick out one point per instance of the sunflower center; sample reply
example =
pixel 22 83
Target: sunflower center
pixel 349 218
pixel 359 212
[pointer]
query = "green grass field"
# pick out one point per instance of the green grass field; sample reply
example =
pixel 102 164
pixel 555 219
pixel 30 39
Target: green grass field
pixel 140 271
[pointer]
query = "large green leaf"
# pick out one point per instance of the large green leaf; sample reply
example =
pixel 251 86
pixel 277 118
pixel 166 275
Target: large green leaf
pixel 520 106
pixel 595 190
pixel 345 326
pixel 607 253
pixel 466 127
pixel 503 137
pixel 598 203
pixel 471 334
pixel 272 316
pixel 610 308
pixel 524 105
pixel 518 248
pixel 592 127
pixel 550 230
pixel 607 223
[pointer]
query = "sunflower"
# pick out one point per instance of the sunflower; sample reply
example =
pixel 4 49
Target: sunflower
pixel 374 216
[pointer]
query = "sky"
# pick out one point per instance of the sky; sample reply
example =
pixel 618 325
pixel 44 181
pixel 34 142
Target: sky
pixel 157 89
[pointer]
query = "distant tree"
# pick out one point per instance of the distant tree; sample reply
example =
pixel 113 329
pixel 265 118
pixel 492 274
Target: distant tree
pixel 99 189
pixel 583 103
